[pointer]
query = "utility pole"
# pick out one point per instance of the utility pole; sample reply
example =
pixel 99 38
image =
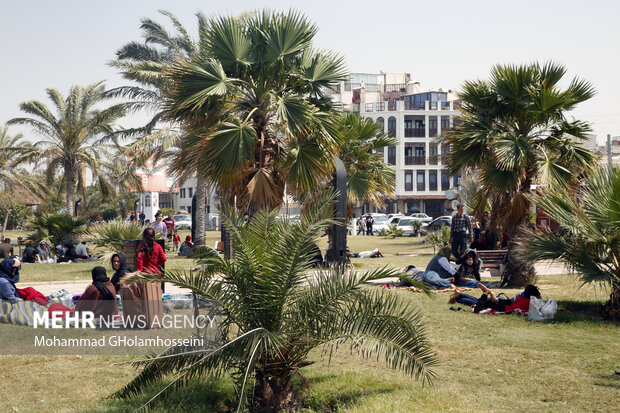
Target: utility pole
pixel 609 149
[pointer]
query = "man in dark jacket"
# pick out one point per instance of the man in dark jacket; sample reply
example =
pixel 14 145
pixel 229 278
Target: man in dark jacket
pixel 6 249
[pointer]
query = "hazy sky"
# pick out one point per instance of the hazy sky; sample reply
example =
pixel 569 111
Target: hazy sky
pixel 60 43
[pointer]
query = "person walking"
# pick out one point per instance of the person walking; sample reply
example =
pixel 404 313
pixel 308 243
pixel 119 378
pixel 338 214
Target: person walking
pixel 461 226
pixel 369 222
pixel 360 226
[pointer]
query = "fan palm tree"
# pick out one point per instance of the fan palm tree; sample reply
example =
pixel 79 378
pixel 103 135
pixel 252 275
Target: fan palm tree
pixel 15 183
pixel 74 139
pixel 514 132
pixel 589 240
pixel 275 312
pixel 146 64
pixel 277 128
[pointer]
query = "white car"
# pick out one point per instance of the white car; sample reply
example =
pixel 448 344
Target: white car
pixel 422 217
pixel 404 224
pixel 182 221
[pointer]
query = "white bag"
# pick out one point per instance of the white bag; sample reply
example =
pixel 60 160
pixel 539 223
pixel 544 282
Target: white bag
pixel 541 309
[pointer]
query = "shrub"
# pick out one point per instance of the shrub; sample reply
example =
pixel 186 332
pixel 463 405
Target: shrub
pixel 109 214
pixel 110 235
pixel 58 228
pixel 416 225
pixel 439 239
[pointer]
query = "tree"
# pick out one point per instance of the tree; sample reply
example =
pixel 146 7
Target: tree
pixel 514 132
pixel 16 184
pixel 146 63
pixel 277 129
pixel 273 317
pixel 589 237
pixel 73 139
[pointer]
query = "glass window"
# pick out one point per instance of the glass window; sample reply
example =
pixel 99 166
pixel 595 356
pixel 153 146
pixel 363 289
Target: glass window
pixel 432 180
pixel 191 192
pixel 412 205
pixel 421 181
pixel 147 201
pixel 408 180
pixel 445 181
pixel 182 193
pixel 381 121
pixel 445 122
pixel 392 126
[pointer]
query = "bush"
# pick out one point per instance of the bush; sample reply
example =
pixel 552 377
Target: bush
pixel 395 231
pixel 416 225
pixel 58 228
pixel 110 235
pixel 109 214
pixel 439 239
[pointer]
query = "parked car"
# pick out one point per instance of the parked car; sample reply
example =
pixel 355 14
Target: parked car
pixel 404 224
pixel 436 224
pixel 422 217
pixel 182 221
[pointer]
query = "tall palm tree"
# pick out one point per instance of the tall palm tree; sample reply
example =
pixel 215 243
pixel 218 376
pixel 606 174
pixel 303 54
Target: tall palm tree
pixel 273 315
pixel 514 132
pixel 146 63
pixel 369 178
pixel 15 183
pixel 73 139
pixel 278 128
pixel 589 240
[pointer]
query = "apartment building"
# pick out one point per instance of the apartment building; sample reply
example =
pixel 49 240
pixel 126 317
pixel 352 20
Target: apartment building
pixel 415 118
pixel 184 196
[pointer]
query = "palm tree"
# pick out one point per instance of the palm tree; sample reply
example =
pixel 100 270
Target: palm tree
pixel 589 240
pixel 278 128
pixel 15 183
pixel 274 313
pixel 73 139
pixel 514 132
pixel 146 64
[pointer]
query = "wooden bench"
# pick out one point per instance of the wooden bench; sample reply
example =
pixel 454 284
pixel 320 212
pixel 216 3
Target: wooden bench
pixel 493 260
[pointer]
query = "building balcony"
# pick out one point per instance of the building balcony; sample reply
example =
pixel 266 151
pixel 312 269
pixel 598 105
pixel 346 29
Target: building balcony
pixel 415 160
pixel 433 159
pixel 380 106
pixel 415 133
pixel 368 107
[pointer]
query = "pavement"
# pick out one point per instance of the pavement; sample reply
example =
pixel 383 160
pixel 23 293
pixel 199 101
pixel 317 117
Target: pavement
pixel 78 286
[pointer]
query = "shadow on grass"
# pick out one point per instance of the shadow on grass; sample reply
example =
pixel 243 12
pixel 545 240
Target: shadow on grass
pixel 608 380
pixel 570 311
pixel 215 395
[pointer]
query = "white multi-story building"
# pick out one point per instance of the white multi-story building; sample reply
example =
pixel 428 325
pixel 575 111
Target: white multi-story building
pixel 184 196
pixel 415 118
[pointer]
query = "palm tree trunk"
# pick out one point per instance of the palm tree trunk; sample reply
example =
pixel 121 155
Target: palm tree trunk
pixel 4 224
pixel 70 179
pixel 201 191
pixel 611 309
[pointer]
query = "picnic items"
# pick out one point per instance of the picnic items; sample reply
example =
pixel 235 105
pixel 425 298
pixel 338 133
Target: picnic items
pixel 542 309
pixel 30 294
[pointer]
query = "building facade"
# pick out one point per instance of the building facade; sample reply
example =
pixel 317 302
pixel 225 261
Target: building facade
pixel 415 118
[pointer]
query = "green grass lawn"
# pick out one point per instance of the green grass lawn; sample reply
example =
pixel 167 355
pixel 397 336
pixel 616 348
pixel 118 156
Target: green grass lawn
pixel 485 362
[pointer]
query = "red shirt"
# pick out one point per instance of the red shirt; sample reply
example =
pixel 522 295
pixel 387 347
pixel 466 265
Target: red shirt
pixel 153 263
pixel 521 303
pixel 176 238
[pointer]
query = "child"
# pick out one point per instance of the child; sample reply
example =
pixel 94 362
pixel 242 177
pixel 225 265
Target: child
pixel 176 238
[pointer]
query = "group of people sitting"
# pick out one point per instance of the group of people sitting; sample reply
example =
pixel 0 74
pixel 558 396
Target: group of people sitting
pixel 440 274
pixel 66 252
pixel 100 296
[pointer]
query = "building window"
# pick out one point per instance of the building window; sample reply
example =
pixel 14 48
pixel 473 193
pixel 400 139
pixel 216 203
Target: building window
pixel 182 193
pixel 189 209
pixel 382 122
pixel 445 123
pixel 445 181
pixel 412 206
pixel 421 181
pixel 191 192
pixel 392 155
pixel 408 180
pixel 432 154
pixel 392 127
pixel 432 126
pixel 432 180
pixel 147 201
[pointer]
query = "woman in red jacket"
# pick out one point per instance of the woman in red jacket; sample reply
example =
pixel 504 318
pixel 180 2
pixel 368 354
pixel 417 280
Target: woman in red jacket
pixel 151 256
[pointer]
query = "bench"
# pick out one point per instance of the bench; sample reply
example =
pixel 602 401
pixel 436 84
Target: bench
pixel 493 260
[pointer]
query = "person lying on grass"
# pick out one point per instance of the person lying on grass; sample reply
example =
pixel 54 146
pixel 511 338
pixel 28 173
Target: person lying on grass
pixel 490 300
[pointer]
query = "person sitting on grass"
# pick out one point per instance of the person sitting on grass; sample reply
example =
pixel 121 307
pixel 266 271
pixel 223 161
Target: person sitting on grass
pixel 81 251
pixel 69 254
pixel 9 276
pixel 100 296
pixel 31 255
pixel 119 265
pixel 469 270
pixel 6 249
pixel 520 302
pixel 440 264
pixel 187 247
pixel 44 250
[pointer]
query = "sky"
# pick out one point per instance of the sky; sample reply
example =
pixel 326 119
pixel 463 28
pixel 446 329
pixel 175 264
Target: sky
pixel 442 43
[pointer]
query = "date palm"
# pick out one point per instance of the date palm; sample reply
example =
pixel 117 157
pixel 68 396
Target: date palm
pixel 73 138
pixel 15 182
pixel 589 240
pixel 277 128
pixel 146 63
pixel 514 131
pixel 275 312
